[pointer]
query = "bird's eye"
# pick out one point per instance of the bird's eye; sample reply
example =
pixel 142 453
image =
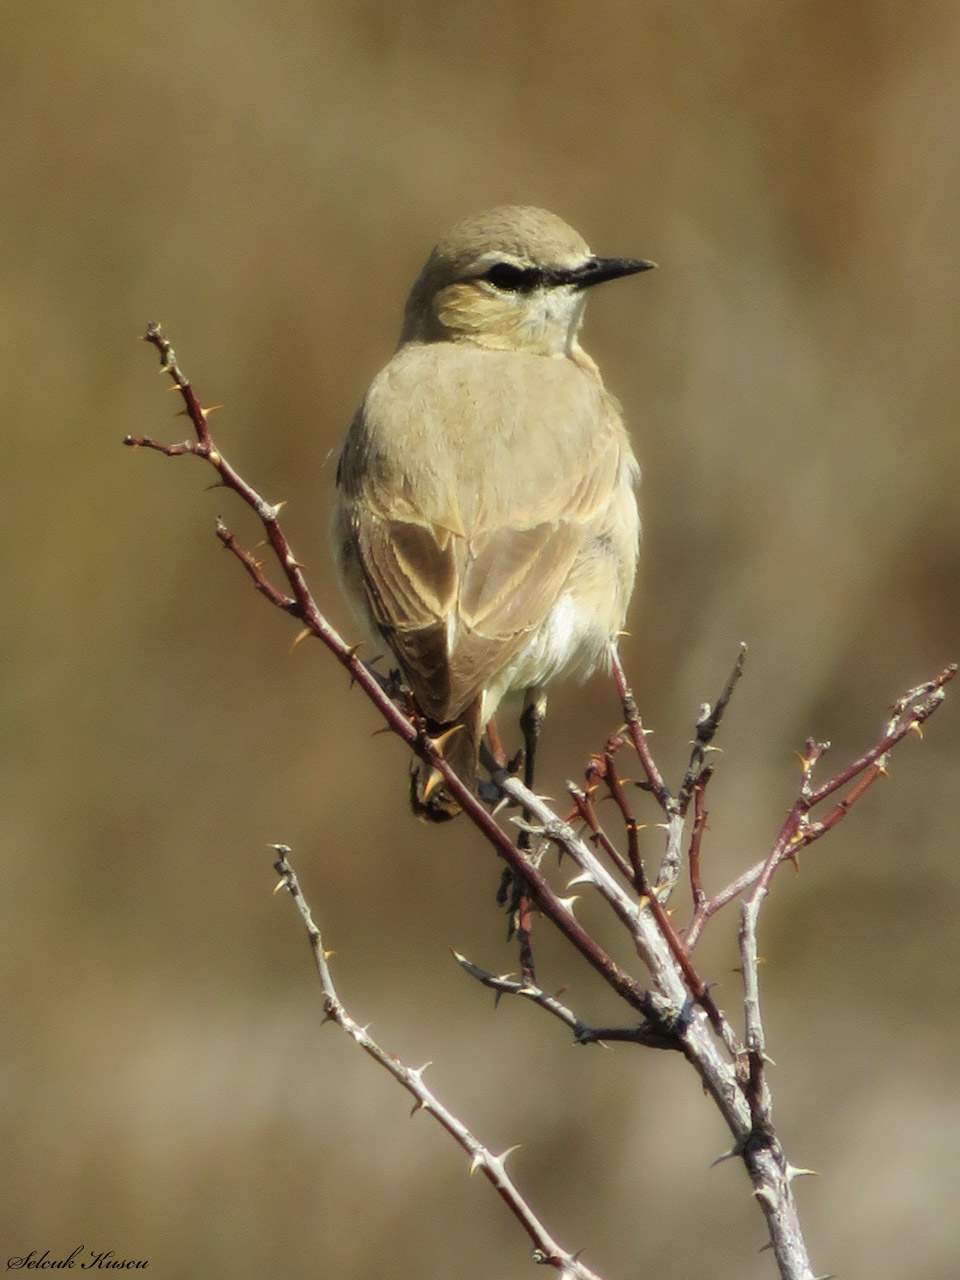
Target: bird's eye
pixel 513 279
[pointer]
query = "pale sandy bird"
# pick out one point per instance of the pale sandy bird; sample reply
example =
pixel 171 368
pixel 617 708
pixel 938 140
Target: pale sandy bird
pixel 486 526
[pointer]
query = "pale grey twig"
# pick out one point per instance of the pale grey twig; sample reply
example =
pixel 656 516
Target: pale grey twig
pixel 504 984
pixel 655 1035
pixel 546 1250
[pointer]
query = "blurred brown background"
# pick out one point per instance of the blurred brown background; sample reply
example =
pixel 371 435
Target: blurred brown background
pixel 266 180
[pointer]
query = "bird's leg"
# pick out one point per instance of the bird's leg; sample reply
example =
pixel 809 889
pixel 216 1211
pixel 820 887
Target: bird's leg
pixel 531 721
pixel 512 893
pixel 496 746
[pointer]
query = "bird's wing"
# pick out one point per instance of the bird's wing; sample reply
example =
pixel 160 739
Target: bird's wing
pixel 459 569
pixel 454 618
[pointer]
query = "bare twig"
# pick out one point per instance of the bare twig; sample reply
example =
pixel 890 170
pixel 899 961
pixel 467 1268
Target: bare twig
pixel 583 804
pixel 505 984
pixel 708 722
pixel 638 736
pixel 655 1036
pixel 910 712
pixel 696 836
pixel 696 774
pixel 545 1247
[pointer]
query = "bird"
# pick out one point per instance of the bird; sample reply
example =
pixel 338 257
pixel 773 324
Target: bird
pixel 485 525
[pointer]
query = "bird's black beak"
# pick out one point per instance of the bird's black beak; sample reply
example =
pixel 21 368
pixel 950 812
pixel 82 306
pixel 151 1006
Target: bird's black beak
pixel 596 270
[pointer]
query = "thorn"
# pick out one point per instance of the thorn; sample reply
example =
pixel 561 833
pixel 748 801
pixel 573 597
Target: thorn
pixel 727 1155
pixel 438 743
pixel 436 777
pixel 355 649
pixel 211 409
pixel 282 883
pixel 529 827
pixel 501 1159
pixel 793 1172
pixel 476 1162
pixel 915 728
pixel 584 878
pixel 417 1072
pixel 328 954
pixel 568 902
pixel 765 1194
pixel 307 631
pixel 502 803
pixel 882 770
pixel 419 1105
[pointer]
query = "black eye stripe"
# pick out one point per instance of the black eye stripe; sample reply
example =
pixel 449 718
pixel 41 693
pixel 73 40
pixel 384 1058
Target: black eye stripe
pixel 513 279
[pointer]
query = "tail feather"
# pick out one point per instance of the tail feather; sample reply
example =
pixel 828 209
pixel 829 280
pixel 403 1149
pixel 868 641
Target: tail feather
pixel 430 796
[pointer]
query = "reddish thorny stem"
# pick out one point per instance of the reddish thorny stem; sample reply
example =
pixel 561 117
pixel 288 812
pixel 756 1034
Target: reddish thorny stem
pixel 755 1141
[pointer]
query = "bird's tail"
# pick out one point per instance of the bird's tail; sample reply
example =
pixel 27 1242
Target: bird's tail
pixel 430 798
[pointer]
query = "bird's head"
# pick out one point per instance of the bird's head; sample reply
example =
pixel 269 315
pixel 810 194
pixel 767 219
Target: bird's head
pixel 512 279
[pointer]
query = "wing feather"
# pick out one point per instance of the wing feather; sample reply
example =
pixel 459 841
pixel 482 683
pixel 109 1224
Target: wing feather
pixel 458 576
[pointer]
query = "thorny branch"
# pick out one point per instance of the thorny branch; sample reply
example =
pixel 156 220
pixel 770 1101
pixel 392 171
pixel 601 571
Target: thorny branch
pixel 546 1250
pixel 583 1033
pixel 909 714
pixel 733 1074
